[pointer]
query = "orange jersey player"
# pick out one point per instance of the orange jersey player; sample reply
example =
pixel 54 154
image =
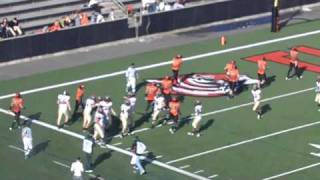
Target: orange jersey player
pixel 176 65
pixel 79 98
pixel 166 84
pixel 17 104
pixel 151 91
pixel 294 65
pixel 234 75
pixel 174 112
pixel 229 66
pixel 262 66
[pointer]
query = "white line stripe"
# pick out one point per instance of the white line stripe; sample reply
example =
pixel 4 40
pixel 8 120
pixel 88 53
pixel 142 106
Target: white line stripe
pixel 200 171
pixel 16 148
pixel 315 145
pixel 184 167
pixel 244 142
pixel 293 171
pixel 61 164
pixel 158 157
pixel 93 78
pixel 79 136
pixel 315 154
pixel 213 176
pixel 117 144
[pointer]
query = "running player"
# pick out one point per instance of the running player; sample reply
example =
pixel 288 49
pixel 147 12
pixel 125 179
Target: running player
pixel 138 148
pixel 63 108
pixel 256 93
pixel 150 93
pixel 166 84
pixel 131 77
pixel 294 64
pixel 159 106
pixel 176 65
pixel 262 66
pixel 196 119
pixel 26 135
pixel 17 104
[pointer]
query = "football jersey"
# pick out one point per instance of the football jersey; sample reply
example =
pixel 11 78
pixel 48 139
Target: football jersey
pixel 26 132
pixel 63 100
pixel 198 110
pixel 256 94
pixel 318 86
pixel 159 102
pixel 125 109
pixel 106 106
pixel 131 72
pixel 90 103
pixel 132 101
pixel 99 118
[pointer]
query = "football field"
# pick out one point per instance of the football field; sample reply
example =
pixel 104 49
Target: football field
pixel 234 145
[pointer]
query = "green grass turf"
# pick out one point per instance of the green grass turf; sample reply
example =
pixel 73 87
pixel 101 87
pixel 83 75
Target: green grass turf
pixel 256 160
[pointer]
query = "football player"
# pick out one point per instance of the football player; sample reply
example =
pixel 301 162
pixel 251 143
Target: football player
pixel 174 112
pixel 196 119
pixel 63 108
pixel 17 104
pixel 138 148
pixel 262 66
pixel 294 64
pixel 79 99
pixel 26 135
pixel 175 67
pixel 158 107
pixel 131 77
pixel 124 115
pixel 150 93
pixel 99 126
pixel 256 93
pixel 90 104
pixel 106 105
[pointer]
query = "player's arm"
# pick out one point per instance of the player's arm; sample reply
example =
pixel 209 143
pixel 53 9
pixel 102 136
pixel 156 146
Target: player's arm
pixel 113 112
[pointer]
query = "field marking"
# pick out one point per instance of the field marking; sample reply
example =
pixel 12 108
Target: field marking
pixel 199 56
pixel 315 145
pixel 213 176
pixel 117 144
pixel 244 142
pixel 184 167
pixel 293 171
pixel 81 137
pixel 315 154
pixel 16 148
pixel 158 157
pixel 200 171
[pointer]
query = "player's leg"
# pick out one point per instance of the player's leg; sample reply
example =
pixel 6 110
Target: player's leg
pixel 66 117
pixel 257 109
pixel 175 75
pixel 133 85
pixel 139 166
pixel 291 65
pixel 59 117
pixel 174 126
pixel 85 120
pixel 124 124
pixel 155 115
pixel 77 104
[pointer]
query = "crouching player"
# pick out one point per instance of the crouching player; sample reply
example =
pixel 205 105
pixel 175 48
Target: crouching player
pixel 256 93
pixel 26 135
pixel 159 106
pixel 99 126
pixel 138 148
pixel 196 119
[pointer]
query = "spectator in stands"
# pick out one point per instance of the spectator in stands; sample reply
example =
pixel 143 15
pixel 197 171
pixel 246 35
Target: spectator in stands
pixel 97 18
pixel 111 15
pixel 178 4
pixel 76 18
pixel 6 30
pixel 55 27
pixel 14 25
pixel 94 4
pixel 163 6
pixel 84 19
pixel 67 21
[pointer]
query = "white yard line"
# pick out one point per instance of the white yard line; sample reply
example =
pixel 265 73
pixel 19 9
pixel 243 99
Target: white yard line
pixel 16 148
pixel 61 164
pixel 213 176
pixel 93 78
pixel 158 157
pixel 293 171
pixel 184 167
pixel 81 137
pixel 244 142
pixel 315 154
pixel 315 145
pixel 117 144
pixel 197 172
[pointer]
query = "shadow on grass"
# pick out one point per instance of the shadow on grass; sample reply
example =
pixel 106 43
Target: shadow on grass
pixel 41 147
pixel 102 157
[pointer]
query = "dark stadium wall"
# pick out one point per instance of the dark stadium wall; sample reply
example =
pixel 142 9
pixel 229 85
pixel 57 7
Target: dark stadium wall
pixel 28 46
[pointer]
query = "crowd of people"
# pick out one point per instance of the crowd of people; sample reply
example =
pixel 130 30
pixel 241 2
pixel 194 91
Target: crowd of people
pixel 10 28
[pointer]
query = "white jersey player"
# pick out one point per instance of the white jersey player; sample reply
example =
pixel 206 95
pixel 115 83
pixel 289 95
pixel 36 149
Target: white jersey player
pixel 131 77
pixel 87 118
pixel 63 107
pixel 106 105
pixel 158 107
pixel 317 98
pixel 138 148
pixel 124 117
pixel 99 126
pixel 196 119
pixel 132 100
pixel 26 135
pixel 256 93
